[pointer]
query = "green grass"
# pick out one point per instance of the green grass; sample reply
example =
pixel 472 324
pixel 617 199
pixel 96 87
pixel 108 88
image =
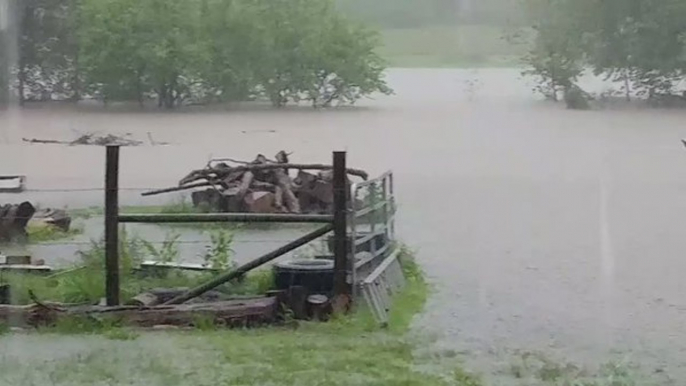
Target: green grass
pixel 84 283
pixel 464 46
pixel 348 350
pixel 47 233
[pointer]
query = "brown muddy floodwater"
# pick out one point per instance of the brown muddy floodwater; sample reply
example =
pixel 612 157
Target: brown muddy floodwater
pixel 543 229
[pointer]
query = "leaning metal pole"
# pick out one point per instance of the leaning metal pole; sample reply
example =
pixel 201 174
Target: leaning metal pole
pixel 235 273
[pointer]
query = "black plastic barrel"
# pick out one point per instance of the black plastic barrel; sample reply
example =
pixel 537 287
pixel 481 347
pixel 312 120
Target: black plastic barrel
pixel 314 274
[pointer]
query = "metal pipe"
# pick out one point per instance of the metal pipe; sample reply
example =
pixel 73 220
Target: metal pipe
pixel 228 276
pixel 225 217
pixel 112 226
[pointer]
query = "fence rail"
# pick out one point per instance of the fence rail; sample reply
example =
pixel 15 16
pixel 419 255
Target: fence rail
pixel 376 273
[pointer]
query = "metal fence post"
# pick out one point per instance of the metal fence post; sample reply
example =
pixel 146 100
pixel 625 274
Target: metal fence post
pixel 112 226
pixel 340 227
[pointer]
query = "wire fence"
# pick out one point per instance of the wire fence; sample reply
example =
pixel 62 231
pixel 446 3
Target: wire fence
pixel 78 237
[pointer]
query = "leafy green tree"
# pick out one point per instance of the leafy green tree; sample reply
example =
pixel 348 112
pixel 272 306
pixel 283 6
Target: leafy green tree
pixel 47 49
pixel 190 51
pixel 111 37
pixel 556 57
pixel 640 43
pixel 315 54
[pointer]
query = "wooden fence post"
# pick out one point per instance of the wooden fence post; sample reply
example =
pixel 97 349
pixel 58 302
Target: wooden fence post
pixel 340 226
pixel 112 226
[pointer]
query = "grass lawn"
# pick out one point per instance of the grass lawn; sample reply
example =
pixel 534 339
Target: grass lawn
pixel 42 233
pixel 349 350
pixel 464 46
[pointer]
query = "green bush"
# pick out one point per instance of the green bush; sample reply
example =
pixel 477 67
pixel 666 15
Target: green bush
pixel 196 51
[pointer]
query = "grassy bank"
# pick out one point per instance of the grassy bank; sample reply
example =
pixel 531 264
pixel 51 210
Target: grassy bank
pixel 350 350
pixel 464 46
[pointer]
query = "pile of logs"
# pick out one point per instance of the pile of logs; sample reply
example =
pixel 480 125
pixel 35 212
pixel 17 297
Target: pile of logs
pixel 15 218
pixel 261 186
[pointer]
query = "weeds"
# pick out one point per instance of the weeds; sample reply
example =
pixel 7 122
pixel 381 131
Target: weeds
pixel 121 334
pixel 219 255
pixel 204 323
pixel 168 252
pixel 44 233
pixel 538 369
pixel 84 284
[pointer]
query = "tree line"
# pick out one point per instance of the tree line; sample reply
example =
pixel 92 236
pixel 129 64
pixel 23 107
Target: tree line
pixel 639 43
pixel 193 51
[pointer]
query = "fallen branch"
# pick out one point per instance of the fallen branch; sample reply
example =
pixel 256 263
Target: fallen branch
pixel 261 167
pixel 177 188
pixel 44 141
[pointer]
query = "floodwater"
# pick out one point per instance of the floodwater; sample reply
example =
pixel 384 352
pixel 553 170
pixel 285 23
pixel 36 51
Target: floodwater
pixel 192 243
pixel 543 229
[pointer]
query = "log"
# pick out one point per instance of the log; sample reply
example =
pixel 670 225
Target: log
pixel 178 188
pixel 304 180
pixel 323 191
pixel 284 182
pixel 247 179
pixel 162 295
pixel 232 203
pixel 244 312
pixel 260 202
pixel 209 199
pixel 52 217
pixel 278 200
pixel 271 166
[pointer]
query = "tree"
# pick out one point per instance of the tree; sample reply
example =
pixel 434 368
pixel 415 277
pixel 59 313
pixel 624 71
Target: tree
pixel 640 43
pixel 556 57
pixel 190 51
pixel 47 49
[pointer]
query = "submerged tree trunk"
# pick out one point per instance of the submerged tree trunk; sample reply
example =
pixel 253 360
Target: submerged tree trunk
pixel 627 85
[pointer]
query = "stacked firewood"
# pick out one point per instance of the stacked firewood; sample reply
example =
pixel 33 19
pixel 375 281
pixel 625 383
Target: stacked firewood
pixel 261 186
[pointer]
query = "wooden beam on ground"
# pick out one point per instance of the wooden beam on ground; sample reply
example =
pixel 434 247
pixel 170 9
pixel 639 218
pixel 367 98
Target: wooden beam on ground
pixel 233 313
